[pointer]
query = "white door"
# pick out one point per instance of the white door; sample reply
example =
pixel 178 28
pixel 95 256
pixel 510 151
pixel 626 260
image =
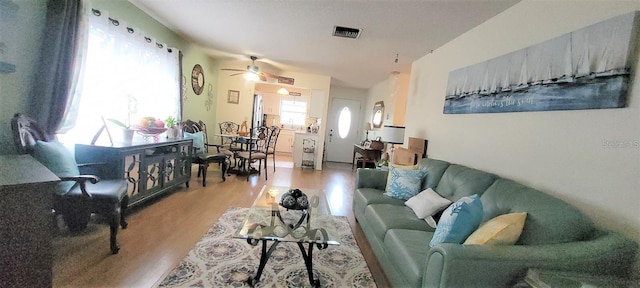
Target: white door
pixel 342 130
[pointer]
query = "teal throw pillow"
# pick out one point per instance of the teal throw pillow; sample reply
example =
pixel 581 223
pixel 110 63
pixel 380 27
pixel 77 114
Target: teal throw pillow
pixel 59 160
pixel 198 141
pixel 404 183
pixel 458 221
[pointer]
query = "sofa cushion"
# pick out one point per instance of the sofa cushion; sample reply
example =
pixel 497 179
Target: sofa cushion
pixel 434 169
pixel 501 230
pixel 459 181
pixel 407 250
pixel 458 221
pixel 549 219
pixel 404 183
pixel 363 197
pixel 382 217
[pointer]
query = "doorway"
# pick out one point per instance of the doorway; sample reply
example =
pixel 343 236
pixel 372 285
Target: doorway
pixel 342 130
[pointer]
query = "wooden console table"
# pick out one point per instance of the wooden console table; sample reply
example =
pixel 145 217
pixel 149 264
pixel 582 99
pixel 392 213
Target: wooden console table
pixel 26 199
pixel 152 168
pixel 368 154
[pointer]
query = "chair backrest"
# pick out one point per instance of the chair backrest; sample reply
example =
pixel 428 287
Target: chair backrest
pixel 26 132
pixel 228 127
pixel 272 132
pixel 263 138
pixel 190 126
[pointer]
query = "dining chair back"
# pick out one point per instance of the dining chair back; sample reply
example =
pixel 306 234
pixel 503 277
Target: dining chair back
pixel 229 128
pixel 273 132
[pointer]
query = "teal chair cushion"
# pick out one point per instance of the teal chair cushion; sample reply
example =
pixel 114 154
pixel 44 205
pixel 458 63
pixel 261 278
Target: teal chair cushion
pixel 59 160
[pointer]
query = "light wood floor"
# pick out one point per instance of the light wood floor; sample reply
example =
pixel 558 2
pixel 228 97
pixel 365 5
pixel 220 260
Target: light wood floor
pixel 161 233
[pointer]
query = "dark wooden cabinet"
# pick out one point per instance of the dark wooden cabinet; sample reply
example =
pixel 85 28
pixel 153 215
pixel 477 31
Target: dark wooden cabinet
pixel 26 221
pixel 152 168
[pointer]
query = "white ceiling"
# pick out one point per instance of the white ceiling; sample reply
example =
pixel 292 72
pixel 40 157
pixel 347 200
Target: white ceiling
pixel 296 35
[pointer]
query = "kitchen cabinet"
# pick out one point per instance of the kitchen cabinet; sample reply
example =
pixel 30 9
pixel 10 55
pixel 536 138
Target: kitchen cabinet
pixel 316 104
pixel 271 103
pixel 285 141
pixel 151 168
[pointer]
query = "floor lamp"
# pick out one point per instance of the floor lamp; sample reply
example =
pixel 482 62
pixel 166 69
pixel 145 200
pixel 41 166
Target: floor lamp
pixel 392 135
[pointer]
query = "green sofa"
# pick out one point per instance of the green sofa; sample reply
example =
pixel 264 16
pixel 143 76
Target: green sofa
pixel 556 236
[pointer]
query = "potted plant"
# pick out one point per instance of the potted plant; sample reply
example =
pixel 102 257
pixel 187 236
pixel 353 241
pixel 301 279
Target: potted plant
pixel 126 133
pixel 172 128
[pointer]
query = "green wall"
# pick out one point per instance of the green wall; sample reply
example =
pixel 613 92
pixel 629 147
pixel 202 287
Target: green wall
pixel 25 29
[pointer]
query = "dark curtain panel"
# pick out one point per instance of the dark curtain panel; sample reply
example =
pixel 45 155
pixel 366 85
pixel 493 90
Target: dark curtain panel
pixel 55 72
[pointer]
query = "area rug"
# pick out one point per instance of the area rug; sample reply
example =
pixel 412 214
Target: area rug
pixel 218 260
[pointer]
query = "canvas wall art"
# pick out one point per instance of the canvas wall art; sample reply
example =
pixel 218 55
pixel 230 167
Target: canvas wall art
pixel 586 69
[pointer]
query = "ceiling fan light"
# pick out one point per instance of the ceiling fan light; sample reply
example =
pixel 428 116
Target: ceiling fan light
pixel 251 76
pixel 253 69
pixel 283 91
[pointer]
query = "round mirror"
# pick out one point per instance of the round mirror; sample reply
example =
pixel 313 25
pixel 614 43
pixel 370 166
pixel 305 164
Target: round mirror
pixel 378 112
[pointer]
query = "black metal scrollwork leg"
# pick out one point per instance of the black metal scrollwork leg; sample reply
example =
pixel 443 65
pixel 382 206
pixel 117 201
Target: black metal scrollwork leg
pixel 264 257
pixel 308 262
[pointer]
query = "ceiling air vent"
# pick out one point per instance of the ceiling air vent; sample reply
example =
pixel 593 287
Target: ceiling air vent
pixel 346 32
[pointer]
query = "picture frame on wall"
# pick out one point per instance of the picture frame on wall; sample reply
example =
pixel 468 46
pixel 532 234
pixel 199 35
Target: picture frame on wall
pixel 233 97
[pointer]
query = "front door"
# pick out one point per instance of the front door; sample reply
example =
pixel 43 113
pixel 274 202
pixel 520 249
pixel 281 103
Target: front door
pixel 342 130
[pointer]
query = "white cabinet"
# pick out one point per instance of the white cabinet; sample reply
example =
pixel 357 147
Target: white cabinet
pixel 285 141
pixel 271 103
pixel 316 104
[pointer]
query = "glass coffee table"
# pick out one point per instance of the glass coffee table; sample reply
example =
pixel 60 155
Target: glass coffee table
pixel 268 221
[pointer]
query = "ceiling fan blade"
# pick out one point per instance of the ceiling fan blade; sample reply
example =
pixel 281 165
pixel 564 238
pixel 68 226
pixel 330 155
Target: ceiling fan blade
pixel 234 74
pixel 228 69
pixel 262 77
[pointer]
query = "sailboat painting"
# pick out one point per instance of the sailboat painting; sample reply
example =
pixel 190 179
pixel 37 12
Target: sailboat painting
pixel 586 69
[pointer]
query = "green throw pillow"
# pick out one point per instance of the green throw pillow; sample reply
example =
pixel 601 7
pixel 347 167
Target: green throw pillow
pixel 59 160
pixel 198 141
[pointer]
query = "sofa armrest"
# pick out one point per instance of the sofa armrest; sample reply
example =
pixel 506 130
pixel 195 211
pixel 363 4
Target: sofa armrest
pixel 371 178
pixel 498 266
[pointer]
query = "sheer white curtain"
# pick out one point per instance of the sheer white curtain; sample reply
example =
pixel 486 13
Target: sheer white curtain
pixel 127 76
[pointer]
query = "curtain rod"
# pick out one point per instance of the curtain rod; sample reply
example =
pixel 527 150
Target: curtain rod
pixel 115 22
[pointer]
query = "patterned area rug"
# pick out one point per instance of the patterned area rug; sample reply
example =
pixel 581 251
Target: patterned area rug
pixel 218 260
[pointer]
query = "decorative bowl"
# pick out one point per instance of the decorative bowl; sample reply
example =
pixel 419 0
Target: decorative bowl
pixel 148 131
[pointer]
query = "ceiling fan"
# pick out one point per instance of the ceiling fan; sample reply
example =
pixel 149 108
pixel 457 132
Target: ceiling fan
pixel 252 69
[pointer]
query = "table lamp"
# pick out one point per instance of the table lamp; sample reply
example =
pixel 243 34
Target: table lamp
pixel 367 128
pixel 392 135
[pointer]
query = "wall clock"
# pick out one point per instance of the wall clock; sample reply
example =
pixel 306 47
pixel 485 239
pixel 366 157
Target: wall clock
pixel 197 79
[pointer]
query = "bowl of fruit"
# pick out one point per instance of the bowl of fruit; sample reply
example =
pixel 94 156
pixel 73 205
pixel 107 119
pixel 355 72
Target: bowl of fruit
pixel 149 127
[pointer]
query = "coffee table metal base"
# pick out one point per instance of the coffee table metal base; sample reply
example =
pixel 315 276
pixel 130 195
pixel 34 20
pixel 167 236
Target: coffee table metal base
pixel 307 254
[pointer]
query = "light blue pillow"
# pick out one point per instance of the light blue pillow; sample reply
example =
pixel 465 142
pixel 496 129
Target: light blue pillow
pixel 458 221
pixel 59 160
pixel 198 141
pixel 404 183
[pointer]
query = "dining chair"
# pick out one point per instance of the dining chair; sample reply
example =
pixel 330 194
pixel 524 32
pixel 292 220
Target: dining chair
pixel 77 196
pixel 256 152
pixel 273 132
pixel 229 128
pixel 201 154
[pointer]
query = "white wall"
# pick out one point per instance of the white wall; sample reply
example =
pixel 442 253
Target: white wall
pixel 562 153
pixel 394 104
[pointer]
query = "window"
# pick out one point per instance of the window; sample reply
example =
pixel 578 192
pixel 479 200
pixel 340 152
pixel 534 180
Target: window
pixel 126 76
pixel 293 112
pixel 344 122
